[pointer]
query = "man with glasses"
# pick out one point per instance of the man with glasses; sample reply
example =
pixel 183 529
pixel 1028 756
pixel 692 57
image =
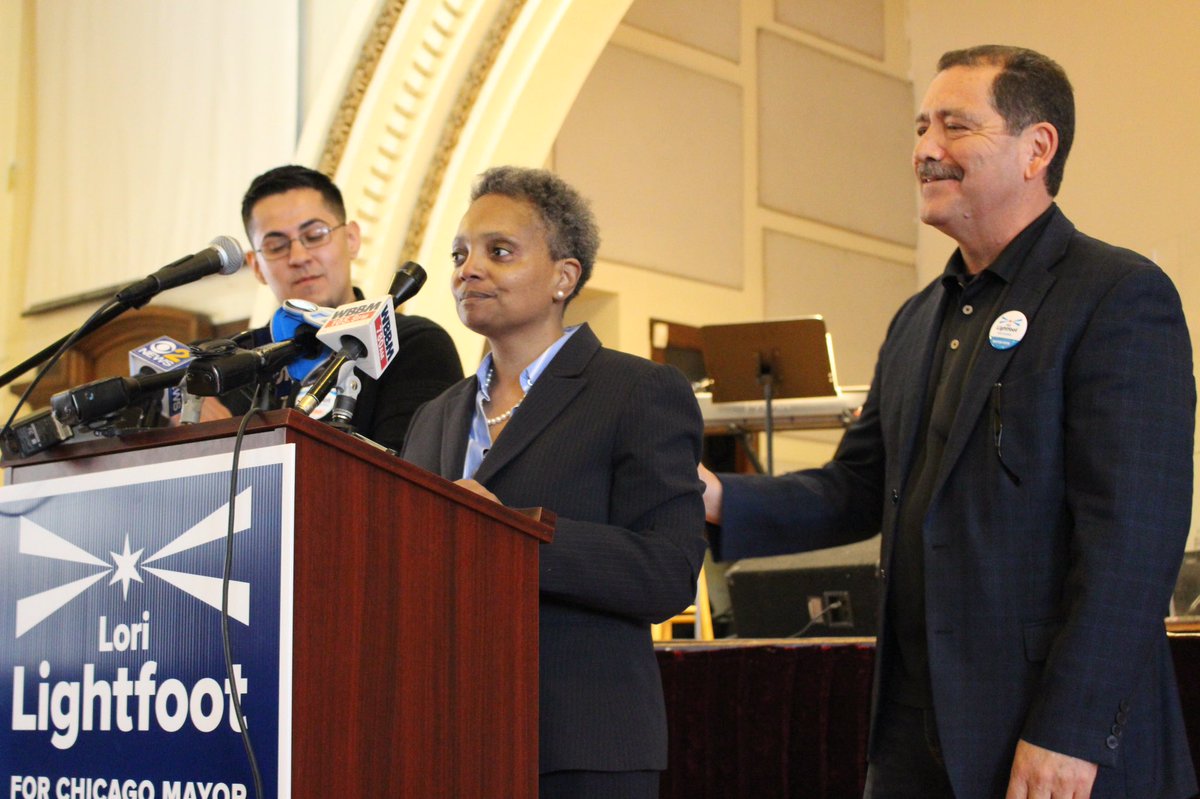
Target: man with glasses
pixel 301 248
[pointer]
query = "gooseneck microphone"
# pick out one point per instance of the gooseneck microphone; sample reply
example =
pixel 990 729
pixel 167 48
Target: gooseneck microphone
pixel 223 255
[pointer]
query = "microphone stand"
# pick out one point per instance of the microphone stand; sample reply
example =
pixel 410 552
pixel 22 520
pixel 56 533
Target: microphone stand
pixel 193 405
pixel 98 321
pixel 766 379
pixel 351 351
pixel 135 295
pixel 348 387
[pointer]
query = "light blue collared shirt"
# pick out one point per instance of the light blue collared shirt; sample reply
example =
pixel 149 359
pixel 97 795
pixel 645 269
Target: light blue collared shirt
pixel 480 441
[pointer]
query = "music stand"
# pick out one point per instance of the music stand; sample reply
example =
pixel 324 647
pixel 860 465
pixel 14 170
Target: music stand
pixel 782 359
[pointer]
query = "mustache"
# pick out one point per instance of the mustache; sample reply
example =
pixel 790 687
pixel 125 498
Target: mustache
pixel 934 170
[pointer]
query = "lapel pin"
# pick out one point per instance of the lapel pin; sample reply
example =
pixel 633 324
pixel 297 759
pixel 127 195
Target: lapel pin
pixel 1008 330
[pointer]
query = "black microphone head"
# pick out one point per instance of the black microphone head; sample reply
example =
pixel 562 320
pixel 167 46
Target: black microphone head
pixel 213 348
pixel 230 253
pixel 307 343
pixel 407 282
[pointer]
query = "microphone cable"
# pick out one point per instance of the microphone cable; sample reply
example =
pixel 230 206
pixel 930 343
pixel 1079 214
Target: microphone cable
pixel 834 605
pixel 80 331
pixel 234 697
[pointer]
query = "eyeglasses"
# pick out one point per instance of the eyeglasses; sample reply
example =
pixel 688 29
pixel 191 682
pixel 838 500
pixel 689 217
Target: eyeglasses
pixel 312 236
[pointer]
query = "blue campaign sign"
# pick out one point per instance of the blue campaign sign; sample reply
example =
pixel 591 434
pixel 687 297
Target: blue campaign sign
pixel 112 674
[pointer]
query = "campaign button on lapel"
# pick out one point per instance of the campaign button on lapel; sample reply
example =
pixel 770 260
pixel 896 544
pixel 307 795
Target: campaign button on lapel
pixel 1008 330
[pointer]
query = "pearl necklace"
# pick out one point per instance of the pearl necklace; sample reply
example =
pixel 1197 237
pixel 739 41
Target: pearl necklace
pixel 504 417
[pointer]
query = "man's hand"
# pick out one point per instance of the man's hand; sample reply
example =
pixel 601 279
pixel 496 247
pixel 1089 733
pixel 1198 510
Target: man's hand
pixel 1039 773
pixel 713 493
pixel 212 409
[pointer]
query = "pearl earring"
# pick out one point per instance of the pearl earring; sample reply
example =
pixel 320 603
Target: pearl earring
pixel 560 294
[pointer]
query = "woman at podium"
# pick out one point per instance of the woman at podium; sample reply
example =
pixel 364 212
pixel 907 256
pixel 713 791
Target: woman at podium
pixel 606 440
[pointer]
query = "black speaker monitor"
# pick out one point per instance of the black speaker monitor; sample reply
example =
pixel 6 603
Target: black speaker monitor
pixel 827 593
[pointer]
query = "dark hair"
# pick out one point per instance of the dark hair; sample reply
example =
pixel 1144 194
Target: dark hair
pixel 1029 88
pixel 571 230
pixel 286 178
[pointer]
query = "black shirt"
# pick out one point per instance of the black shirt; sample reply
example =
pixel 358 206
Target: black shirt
pixel 970 303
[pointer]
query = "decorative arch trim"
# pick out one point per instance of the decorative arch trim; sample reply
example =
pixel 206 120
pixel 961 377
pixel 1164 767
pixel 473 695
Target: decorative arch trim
pixel 441 90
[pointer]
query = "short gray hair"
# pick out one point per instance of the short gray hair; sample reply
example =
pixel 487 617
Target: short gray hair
pixel 571 230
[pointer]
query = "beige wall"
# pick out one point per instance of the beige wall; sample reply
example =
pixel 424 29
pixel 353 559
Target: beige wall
pixel 748 160
pixel 1133 173
pixel 833 67
pixel 15 157
pixel 1133 177
pixel 705 135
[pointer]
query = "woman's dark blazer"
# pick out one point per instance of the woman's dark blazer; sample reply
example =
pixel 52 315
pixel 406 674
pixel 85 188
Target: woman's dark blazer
pixel 610 443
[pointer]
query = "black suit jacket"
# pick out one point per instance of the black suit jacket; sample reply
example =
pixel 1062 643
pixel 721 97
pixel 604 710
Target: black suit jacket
pixel 1056 525
pixel 610 443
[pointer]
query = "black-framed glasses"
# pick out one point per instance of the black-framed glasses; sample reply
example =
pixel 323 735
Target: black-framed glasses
pixel 312 236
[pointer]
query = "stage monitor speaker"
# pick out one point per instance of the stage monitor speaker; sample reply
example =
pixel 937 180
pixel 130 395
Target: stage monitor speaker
pixel 827 593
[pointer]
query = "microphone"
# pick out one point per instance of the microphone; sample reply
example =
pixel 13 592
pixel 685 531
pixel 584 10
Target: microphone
pixel 289 318
pixel 221 366
pixel 100 399
pixel 407 282
pixel 163 354
pixel 303 311
pixel 154 366
pixel 177 400
pixel 363 332
pixel 34 433
pixel 223 255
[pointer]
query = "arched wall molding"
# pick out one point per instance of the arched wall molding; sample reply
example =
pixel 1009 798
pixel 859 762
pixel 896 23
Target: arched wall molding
pixel 395 83
pixel 459 85
pixel 515 120
pixel 382 19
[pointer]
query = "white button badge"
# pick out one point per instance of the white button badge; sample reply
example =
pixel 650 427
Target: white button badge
pixel 1008 329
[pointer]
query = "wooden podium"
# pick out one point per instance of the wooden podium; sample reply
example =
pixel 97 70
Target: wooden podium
pixel 415 616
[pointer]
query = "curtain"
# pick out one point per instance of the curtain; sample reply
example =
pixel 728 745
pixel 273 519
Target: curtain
pixel 152 118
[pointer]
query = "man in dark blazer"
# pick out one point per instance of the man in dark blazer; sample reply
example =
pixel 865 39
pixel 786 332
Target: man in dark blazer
pixel 1026 449
pixel 609 442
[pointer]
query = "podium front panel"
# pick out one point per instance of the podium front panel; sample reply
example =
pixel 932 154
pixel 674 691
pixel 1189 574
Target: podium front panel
pixel 112 669
pixel 406 635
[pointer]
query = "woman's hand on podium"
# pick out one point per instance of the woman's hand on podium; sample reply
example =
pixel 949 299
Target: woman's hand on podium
pixel 478 488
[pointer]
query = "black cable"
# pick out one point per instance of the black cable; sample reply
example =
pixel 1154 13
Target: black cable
pixel 834 605
pixel 37 503
pixel 234 697
pixel 110 312
pixel 66 344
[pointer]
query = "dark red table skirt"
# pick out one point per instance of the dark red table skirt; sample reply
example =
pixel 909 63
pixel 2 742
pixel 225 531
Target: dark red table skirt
pixel 790 719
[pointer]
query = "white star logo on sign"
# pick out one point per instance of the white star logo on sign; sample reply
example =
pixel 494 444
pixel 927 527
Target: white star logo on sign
pixel 126 563
pixel 37 541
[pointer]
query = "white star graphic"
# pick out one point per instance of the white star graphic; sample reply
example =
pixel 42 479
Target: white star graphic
pixel 37 541
pixel 126 564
